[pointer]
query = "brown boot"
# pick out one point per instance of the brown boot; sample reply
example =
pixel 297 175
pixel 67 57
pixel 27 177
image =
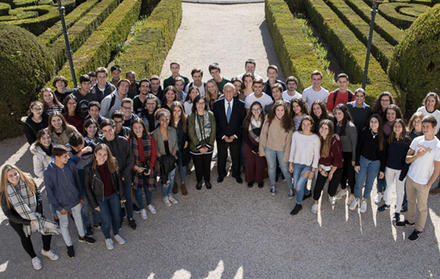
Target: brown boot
pixel 175 188
pixel 183 187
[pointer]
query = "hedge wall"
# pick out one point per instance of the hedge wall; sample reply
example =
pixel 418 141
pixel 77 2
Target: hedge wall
pixel 294 49
pixel 107 39
pixel 148 48
pixel 390 12
pixel 48 15
pixel 4 8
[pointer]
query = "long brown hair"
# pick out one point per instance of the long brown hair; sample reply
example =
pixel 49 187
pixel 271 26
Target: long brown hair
pixel 286 121
pixel 53 115
pixel 403 136
pixel 55 99
pixel 182 115
pixel 25 177
pixel 418 114
pixel 208 94
pixel 112 163
pixel 377 107
pixel 326 144
pixel 380 134
pixel 302 104
pixel 138 121
pixel 247 119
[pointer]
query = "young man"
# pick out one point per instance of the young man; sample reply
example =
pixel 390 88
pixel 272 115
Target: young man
pixel 138 101
pixel 214 71
pixel 291 93
pixel 258 95
pixel 134 87
pixel 83 95
pixel 120 129
pixel 115 71
pixel 93 78
pixel 155 87
pixel 229 114
pixel 102 88
pixel 93 112
pixel 120 148
pixel 127 110
pixel 316 91
pixel 113 101
pixel 64 194
pixel 272 78
pixel 197 75
pixel 424 157
pixel 179 84
pixel 342 95
pixel 277 95
pixel 360 112
pixel 175 72
pixel 249 67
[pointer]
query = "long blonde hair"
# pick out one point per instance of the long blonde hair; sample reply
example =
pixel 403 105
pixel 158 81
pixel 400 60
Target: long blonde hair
pixel 25 177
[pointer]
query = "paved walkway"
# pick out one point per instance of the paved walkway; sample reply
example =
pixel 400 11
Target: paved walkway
pixel 232 231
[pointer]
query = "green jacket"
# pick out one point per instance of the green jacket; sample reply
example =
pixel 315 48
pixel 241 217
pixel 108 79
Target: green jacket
pixel 194 142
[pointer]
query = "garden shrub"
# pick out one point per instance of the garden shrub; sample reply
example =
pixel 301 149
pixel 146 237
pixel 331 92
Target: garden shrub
pixel 391 12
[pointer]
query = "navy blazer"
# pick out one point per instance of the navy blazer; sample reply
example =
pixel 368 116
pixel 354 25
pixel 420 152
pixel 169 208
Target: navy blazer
pixel 234 127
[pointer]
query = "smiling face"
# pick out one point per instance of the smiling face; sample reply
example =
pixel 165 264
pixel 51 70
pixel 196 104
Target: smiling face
pixel 164 121
pixel 193 93
pixel 45 140
pixel 391 115
pixel 237 85
pixel 37 110
pixel 101 156
pixel 177 112
pixel 430 104
pixel 291 86
pixel 248 82
pixel 296 108
pixel 123 88
pixel 155 85
pixel 272 74
pixel 175 68
pixel 385 101
pixel 306 126
pixel 258 89
pixel 71 106
pixel 13 176
pixel 256 111
pixel 316 81
pixel 94 112
pixel 229 92
pixel 339 115
pixel 108 132
pixel 279 112
pixel 215 73
pixel 417 124
pixel 60 85
pixel 317 111
pixel 249 68
pixel 343 83
pixel 276 94
pixel 200 106
pixel 374 124
pixel 48 97
pixel 57 123
pixel 324 130
pixel 91 130
pixel 170 96
pixel 138 129
pixel 102 79
pixel 397 129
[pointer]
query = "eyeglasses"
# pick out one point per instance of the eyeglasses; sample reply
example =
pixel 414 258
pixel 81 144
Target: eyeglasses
pixel 151 104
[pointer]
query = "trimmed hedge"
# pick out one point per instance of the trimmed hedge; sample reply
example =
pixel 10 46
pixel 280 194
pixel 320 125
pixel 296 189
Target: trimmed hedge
pixel 4 9
pixel 148 6
pixel 107 39
pixel 52 33
pixel 48 15
pixel 390 12
pixel 294 49
pixel 24 3
pixel 416 62
pixel 148 48
pixel 26 67
pixel 349 51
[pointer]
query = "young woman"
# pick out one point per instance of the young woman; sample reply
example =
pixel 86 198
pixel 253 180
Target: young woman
pixel 201 133
pixel 298 110
pixel 319 112
pixel 396 168
pixel 430 107
pixel 248 80
pixel 178 121
pixel 255 164
pixel 91 132
pixel 61 92
pixel 381 104
pixel 165 137
pixel 149 107
pixel 330 163
pixel 35 121
pixel 238 83
pixel 370 161
pixel 304 158
pixel 170 95
pixel 50 101
pixel 71 113
pixel 59 130
pixel 415 125
pixel 143 147
pixel 193 91
pixel 347 132
pixel 21 203
pixel 42 152
pixel 105 193
pixel 212 93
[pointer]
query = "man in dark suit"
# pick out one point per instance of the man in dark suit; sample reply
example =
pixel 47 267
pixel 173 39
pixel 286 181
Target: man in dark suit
pixel 229 114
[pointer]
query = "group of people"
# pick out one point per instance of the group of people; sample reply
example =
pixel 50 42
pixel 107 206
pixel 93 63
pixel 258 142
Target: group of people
pixel 101 144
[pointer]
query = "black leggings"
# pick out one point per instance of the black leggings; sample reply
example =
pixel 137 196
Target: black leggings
pixel 26 240
pixel 348 172
pixel 202 164
pixel 332 185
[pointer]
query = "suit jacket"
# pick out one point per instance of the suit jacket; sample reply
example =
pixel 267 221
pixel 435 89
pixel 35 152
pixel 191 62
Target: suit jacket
pixel 234 127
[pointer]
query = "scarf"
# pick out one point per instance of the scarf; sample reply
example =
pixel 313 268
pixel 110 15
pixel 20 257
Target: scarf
pixel 203 127
pixel 138 179
pixel 255 129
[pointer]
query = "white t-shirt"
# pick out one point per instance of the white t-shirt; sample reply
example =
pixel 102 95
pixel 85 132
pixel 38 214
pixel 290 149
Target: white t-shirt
pixel 188 107
pixel 264 100
pixel 309 95
pixel 305 149
pixel 287 98
pixel 436 114
pixel 423 167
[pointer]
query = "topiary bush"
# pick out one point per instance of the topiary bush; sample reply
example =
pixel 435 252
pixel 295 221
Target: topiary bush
pixel 26 67
pixel 415 65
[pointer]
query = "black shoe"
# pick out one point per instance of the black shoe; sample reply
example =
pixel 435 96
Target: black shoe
pixel 250 184
pixel 404 223
pixel 220 179
pixel 132 223
pixel 404 209
pixel 307 195
pixel 396 218
pixel 89 231
pixel 414 235
pixel 238 179
pixel 260 185
pixel 208 184
pixel 383 207
pixel 87 239
pixel 296 209
pixel 70 251
pixel 199 185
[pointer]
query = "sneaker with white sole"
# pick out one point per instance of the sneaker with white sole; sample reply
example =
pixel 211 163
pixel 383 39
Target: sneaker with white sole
pixel 36 263
pixel 350 199
pixel 272 190
pixel 291 194
pixel 166 201
pixel 341 194
pixel 151 208
pixel 314 208
pixel 50 254
pixel 332 200
pixel 172 199
pixel 119 239
pixel 353 204
pixel 109 244
pixel 378 197
pixel 144 214
pixel 363 206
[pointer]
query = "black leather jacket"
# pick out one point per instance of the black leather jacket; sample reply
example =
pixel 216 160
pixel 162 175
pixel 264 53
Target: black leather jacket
pixel 95 187
pixel 13 216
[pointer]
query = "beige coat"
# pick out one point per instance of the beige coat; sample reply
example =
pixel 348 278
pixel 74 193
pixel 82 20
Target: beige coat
pixel 276 138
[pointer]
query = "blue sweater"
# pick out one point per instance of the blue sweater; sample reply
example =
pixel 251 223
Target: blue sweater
pixel 62 185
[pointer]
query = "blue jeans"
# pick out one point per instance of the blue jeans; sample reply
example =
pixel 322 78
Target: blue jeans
pixel 367 174
pixel 64 223
pixel 127 194
pixel 167 189
pixel 381 185
pixel 299 181
pixel 271 157
pixel 181 166
pixel 86 216
pixel 140 198
pixel 110 212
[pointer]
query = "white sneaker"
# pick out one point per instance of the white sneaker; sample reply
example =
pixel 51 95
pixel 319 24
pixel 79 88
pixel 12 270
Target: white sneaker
pixel 172 199
pixel 119 239
pixel 272 190
pixel 50 254
pixel 350 199
pixel 291 194
pixel 314 208
pixel 378 197
pixel 151 208
pixel 36 263
pixel 166 201
pixel 353 204
pixel 109 244
pixel 332 200
pixel 144 214
pixel 341 194
pixel 363 206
